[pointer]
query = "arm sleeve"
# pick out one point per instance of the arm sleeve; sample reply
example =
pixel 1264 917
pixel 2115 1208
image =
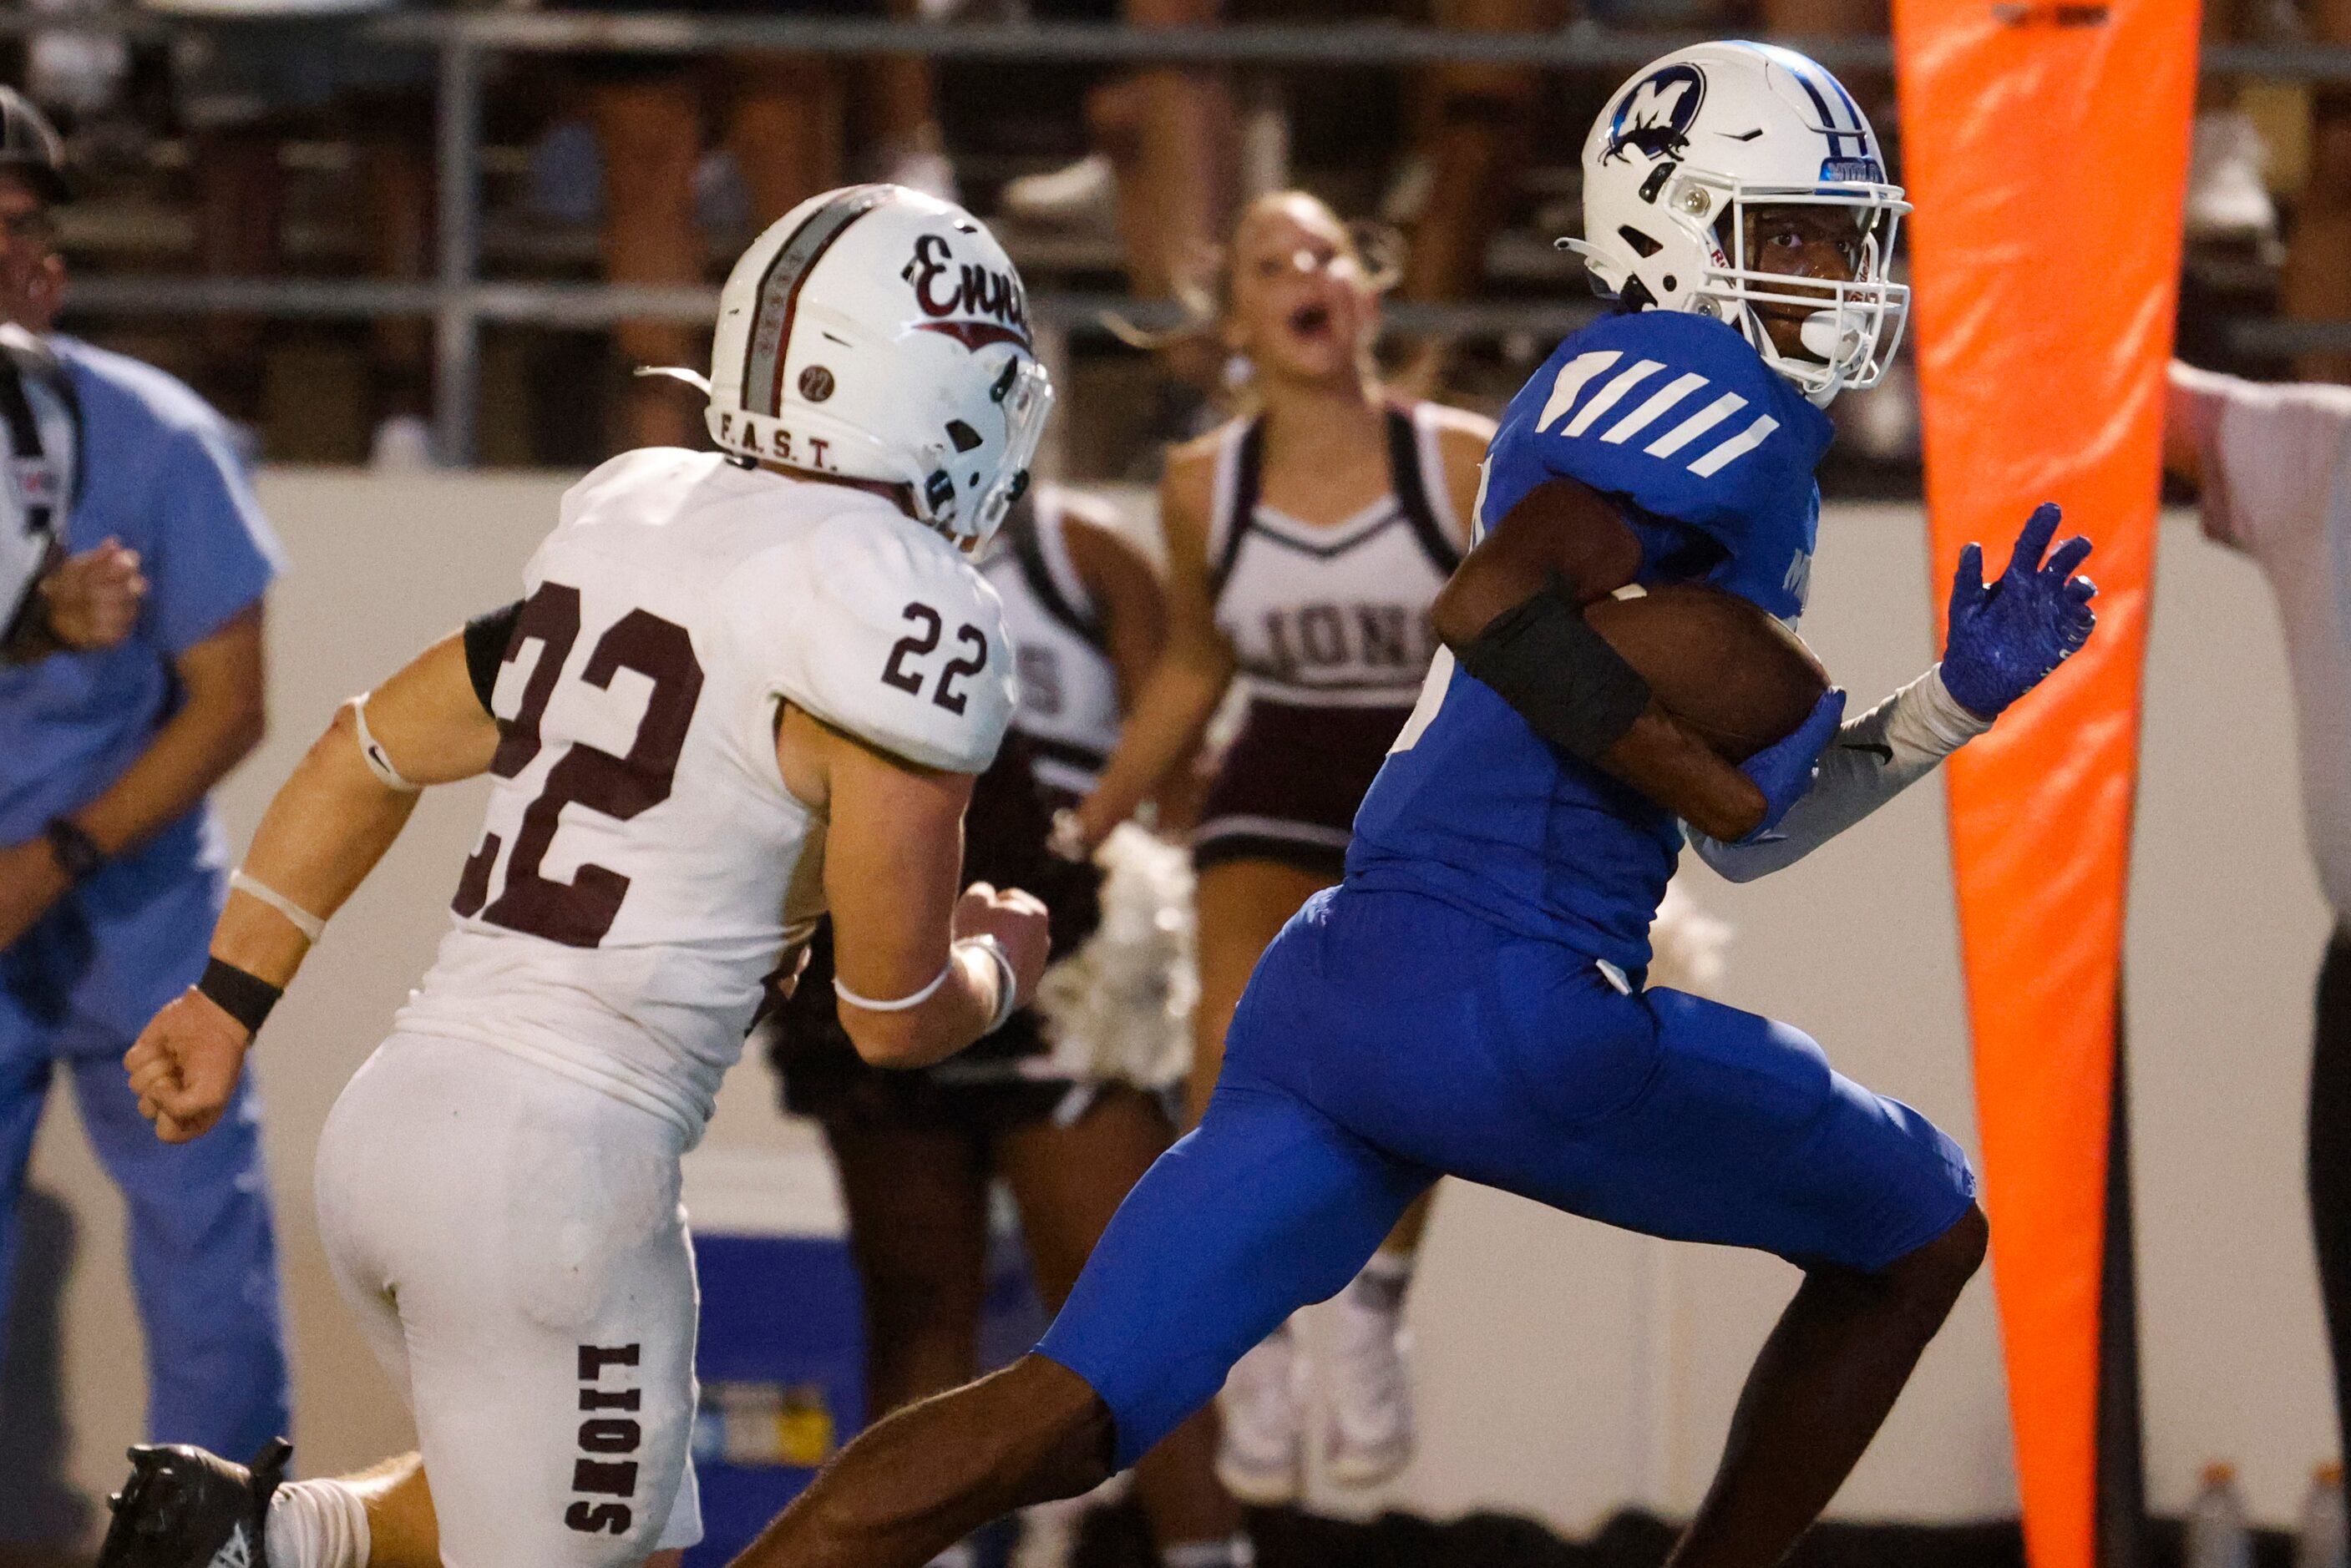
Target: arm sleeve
pixel 2269 454
pixel 214 553
pixel 488 637
pixel 1874 758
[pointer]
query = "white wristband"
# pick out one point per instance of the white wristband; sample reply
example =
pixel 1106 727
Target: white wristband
pixel 901 1003
pixel 1007 987
pixel 1007 990
pixel 372 751
pixel 308 924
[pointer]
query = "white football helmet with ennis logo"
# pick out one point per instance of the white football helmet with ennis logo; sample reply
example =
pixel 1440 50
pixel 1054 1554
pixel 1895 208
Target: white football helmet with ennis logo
pixel 878 332
pixel 1692 142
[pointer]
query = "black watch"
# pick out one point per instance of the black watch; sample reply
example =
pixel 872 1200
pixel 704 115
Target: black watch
pixel 76 853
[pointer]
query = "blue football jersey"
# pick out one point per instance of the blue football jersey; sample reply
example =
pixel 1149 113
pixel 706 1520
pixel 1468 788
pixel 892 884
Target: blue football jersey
pixel 1707 455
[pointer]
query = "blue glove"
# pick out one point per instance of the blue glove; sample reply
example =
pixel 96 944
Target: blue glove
pixel 2007 637
pixel 1785 770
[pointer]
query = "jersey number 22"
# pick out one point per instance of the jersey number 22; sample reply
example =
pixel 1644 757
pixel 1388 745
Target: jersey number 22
pixel 578 912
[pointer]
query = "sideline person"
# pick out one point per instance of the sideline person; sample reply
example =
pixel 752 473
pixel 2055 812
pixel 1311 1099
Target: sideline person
pixel 112 864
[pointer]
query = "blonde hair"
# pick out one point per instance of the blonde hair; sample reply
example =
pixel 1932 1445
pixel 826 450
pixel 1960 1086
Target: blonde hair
pixel 1373 247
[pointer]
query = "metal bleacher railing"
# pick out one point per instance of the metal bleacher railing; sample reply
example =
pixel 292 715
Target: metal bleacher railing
pixel 461 301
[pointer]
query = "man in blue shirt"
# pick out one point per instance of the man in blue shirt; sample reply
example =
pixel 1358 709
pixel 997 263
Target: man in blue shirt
pixel 112 865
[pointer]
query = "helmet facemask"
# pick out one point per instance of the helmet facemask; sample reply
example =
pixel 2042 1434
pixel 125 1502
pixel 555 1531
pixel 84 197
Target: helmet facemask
pixel 1025 393
pixel 1852 326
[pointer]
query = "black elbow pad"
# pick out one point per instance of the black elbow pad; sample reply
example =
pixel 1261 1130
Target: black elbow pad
pixel 487 637
pixel 1545 660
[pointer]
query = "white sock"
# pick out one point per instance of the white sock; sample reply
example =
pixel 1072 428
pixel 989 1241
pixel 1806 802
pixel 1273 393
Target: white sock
pixel 962 1555
pixel 1233 1552
pixel 316 1524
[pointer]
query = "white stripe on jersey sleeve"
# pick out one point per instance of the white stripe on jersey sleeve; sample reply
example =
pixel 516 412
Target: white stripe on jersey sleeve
pixel 1640 419
pixel 1570 382
pixel 1607 397
pixel 1734 449
pixel 1697 425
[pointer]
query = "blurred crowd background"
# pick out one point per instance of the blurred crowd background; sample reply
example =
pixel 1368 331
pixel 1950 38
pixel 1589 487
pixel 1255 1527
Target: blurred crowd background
pixel 294 141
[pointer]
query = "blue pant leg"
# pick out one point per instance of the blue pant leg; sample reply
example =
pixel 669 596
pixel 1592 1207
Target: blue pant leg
pixel 1513 1063
pixel 204 1264
pixel 1265 1207
pixel 1783 1152
pixel 24 1089
pixel 1746 1137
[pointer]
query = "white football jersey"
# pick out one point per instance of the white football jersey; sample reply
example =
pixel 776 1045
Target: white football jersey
pixel 642 867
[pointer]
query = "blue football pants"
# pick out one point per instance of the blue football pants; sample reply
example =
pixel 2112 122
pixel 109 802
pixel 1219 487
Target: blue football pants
pixel 204 1254
pixel 1386 1039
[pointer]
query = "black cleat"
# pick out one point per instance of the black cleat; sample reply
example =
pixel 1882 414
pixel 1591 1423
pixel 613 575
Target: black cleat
pixel 184 1508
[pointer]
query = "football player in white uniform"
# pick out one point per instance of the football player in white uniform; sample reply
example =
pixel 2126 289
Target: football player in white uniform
pixel 743 688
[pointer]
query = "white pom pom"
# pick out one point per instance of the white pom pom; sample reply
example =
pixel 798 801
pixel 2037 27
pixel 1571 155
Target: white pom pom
pixel 1686 944
pixel 1118 1010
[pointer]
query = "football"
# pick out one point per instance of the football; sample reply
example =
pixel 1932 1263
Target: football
pixel 1715 662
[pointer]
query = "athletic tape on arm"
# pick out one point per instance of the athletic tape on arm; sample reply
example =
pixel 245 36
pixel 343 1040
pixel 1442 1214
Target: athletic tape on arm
pixel 308 924
pixel 1006 992
pixel 1007 985
pixel 1872 759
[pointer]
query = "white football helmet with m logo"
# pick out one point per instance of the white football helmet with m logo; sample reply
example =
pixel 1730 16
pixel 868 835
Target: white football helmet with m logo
pixel 877 333
pixel 1693 143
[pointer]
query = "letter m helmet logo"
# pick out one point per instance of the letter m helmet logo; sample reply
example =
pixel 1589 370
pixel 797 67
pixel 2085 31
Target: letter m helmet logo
pixel 1657 112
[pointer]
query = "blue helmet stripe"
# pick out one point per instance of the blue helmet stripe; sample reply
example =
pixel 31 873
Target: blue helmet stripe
pixel 1833 131
pixel 1810 74
pixel 1851 108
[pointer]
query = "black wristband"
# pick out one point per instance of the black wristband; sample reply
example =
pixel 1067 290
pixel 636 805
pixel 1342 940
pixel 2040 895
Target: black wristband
pixel 1545 660
pixel 247 998
pixel 76 853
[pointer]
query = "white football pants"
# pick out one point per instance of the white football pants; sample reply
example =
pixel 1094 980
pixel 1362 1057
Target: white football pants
pixel 513 1244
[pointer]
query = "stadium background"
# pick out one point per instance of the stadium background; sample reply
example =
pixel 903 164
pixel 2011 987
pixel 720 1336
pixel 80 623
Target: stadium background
pixel 1565 1372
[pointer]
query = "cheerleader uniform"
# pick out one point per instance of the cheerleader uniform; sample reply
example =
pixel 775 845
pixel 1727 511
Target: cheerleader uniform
pixel 1330 626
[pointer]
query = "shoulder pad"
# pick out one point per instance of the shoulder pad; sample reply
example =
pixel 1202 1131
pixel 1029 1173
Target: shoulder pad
pixel 1671 411
pixel 644 467
pixel 895 638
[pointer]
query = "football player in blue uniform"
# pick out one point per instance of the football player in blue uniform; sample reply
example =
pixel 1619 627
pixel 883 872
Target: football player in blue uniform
pixel 1469 1001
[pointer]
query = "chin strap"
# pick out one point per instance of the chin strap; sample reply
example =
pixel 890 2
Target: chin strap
pixel 695 379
